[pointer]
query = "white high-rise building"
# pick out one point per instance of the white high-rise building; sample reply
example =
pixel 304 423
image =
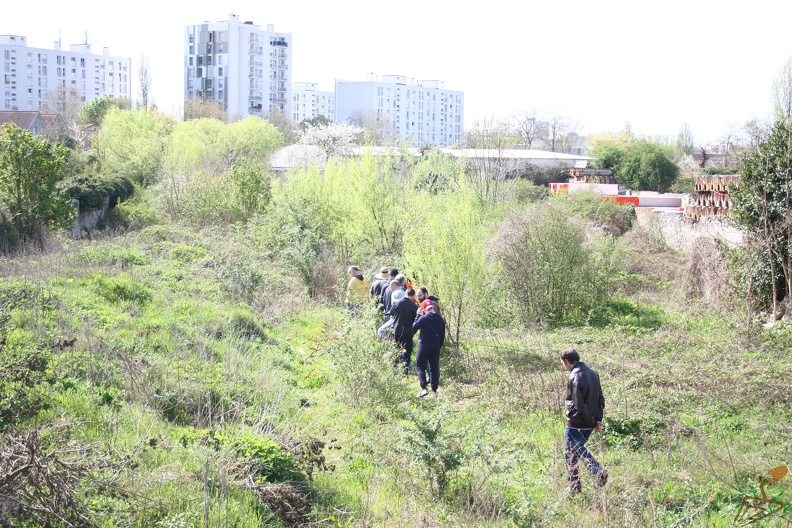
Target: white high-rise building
pixel 30 73
pixel 308 102
pixel 241 65
pixel 422 111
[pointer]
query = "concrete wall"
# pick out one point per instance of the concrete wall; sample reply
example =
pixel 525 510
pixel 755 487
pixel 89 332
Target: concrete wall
pixel 680 232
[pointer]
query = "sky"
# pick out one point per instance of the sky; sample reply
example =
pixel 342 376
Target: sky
pixel 601 64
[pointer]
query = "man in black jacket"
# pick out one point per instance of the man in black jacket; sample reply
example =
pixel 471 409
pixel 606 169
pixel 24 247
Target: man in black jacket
pixel 432 327
pixel 584 406
pixel 404 312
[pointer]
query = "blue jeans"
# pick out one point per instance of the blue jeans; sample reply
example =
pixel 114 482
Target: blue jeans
pixel 575 450
pixel 428 360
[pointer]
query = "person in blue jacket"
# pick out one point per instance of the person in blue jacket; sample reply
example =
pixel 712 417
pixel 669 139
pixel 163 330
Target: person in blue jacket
pixel 432 336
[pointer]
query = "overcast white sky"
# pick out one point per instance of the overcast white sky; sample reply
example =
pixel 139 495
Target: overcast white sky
pixel 604 63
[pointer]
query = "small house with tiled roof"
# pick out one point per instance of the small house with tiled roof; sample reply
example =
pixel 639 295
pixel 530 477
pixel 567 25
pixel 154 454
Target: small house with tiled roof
pixel 33 121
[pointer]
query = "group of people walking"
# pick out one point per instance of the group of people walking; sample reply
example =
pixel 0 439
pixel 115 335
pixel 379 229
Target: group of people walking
pixel 406 311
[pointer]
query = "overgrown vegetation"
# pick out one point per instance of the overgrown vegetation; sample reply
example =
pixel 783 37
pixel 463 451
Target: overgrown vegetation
pixel 199 369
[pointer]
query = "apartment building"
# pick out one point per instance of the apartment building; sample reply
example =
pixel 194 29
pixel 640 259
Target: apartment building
pixel 30 73
pixel 243 66
pixel 308 102
pixel 423 111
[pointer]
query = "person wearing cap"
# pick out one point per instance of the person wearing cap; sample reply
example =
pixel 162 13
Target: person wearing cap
pixel 376 286
pixel 357 287
pixel 404 312
pixel 432 336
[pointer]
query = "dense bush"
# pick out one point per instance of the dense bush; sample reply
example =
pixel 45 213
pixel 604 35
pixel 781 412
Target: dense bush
pixel 91 190
pixel 590 206
pixel 720 170
pixel 269 461
pixel 551 267
pixel 9 238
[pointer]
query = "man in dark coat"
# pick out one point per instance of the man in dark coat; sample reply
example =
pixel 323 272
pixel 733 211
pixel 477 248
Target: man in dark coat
pixel 404 312
pixel 430 341
pixel 584 407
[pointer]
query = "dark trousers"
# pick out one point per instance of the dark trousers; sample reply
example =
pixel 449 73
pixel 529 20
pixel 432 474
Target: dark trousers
pixel 428 361
pixel 405 344
pixel 575 451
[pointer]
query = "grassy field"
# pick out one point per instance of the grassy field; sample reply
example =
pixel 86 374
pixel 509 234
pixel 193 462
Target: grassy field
pixel 175 377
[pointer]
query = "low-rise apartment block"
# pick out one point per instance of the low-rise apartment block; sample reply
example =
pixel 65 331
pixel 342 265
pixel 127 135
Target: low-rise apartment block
pixel 30 73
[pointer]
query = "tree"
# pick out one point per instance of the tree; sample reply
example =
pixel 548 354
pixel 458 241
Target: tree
pixel 607 153
pixel 200 108
pixel 447 255
pixel 144 83
pixel 530 127
pixel 646 166
pixel 756 132
pixel 729 142
pixel 30 170
pixel 284 124
pixel 94 111
pixel 377 130
pixel 488 171
pixel 132 143
pixel 557 127
pixel 334 140
pixel 320 120
pixel 685 144
pixel 66 101
pixel 762 203
pixel 782 92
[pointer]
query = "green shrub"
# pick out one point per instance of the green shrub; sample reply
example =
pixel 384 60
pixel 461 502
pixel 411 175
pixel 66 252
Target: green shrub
pixel 25 379
pixel 9 238
pixel 591 206
pixel 713 171
pixel 135 213
pixel 269 461
pixel 551 269
pixel 91 190
pixel 120 288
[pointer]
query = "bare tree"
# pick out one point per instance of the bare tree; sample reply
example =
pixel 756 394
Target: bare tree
pixel 782 92
pixel 557 127
pixel 729 141
pixel 285 125
pixel 199 108
pixel 530 126
pixel 377 129
pixel 755 132
pixel 66 101
pixel 144 82
pixel 685 144
pixel 488 169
